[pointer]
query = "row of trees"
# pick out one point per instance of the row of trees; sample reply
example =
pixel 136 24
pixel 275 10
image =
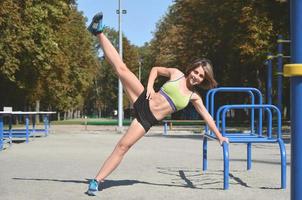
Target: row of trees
pixel 235 35
pixel 47 55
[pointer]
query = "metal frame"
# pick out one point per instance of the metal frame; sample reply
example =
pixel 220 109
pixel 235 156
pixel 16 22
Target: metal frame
pixel 247 138
pixel 6 136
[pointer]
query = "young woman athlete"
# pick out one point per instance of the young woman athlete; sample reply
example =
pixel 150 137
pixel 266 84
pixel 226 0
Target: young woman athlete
pixel 150 106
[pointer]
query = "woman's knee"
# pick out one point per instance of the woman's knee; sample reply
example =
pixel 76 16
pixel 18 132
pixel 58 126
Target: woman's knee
pixel 123 147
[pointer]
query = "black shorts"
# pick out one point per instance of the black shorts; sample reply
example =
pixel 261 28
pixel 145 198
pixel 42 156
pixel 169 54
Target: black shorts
pixel 143 113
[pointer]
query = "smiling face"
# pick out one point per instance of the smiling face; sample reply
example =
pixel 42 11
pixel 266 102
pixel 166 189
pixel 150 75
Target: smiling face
pixel 200 73
pixel 196 76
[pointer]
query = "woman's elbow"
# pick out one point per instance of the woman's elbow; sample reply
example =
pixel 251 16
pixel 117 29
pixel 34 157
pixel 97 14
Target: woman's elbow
pixel 154 69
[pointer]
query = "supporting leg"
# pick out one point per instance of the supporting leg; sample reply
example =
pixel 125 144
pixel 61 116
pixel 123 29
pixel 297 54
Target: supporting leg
pixel 133 134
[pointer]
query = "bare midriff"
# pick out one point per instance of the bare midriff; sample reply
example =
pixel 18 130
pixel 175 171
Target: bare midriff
pixel 159 106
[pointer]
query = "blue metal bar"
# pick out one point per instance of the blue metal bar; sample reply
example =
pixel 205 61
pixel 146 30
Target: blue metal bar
pixel 248 135
pixel 205 154
pixel 246 139
pixel 253 139
pixel 236 89
pixel 283 163
pixel 269 79
pixel 296 99
pixel 224 109
pixel 210 100
pixel 249 155
pixel 279 73
pixel 269 123
pixel 226 166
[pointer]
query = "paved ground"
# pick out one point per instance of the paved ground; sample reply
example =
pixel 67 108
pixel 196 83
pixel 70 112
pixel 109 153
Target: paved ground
pixel 157 167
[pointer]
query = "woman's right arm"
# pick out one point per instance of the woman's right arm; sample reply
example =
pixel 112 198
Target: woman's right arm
pixel 154 73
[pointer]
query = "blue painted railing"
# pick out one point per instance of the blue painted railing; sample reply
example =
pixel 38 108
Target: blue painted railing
pixel 210 100
pixel 248 138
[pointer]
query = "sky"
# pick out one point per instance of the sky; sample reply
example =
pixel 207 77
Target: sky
pixel 138 24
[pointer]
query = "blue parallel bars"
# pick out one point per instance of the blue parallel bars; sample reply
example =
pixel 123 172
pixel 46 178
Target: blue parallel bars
pixel 236 138
pixel 249 138
pixel 294 71
pixel 6 136
pixel 210 105
pixel 210 99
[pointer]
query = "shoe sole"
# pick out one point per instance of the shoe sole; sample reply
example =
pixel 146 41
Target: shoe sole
pixel 91 193
pixel 96 19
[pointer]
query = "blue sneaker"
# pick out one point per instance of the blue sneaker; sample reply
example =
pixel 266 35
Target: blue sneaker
pixel 93 187
pixel 96 26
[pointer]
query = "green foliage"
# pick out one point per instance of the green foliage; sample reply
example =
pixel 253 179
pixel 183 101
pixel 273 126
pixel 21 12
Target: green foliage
pixel 235 35
pixel 45 54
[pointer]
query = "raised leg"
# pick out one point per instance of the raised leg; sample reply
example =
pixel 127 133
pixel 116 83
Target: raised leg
pixel 133 134
pixel 131 84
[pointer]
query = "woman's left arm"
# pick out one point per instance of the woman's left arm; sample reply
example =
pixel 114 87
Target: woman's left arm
pixel 201 109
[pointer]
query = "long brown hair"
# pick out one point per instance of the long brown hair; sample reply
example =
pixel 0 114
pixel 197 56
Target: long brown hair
pixel 209 81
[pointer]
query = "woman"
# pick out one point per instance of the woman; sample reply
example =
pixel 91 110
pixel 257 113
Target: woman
pixel 150 106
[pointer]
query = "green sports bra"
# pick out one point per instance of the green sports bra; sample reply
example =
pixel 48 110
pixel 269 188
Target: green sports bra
pixel 170 90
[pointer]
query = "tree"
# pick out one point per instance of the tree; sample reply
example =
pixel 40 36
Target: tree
pixel 235 35
pixel 45 54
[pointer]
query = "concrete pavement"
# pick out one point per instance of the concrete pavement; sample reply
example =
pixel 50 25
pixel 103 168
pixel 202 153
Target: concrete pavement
pixel 158 167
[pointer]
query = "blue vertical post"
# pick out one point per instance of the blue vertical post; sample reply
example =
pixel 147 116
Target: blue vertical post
pixel 205 154
pixel 269 78
pixel 279 72
pixel 294 71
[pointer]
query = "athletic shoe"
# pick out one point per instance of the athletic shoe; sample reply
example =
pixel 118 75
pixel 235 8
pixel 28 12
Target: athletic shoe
pixel 93 187
pixel 96 26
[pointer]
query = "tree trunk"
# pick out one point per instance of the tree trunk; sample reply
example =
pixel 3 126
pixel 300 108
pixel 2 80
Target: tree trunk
pixel 37 110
